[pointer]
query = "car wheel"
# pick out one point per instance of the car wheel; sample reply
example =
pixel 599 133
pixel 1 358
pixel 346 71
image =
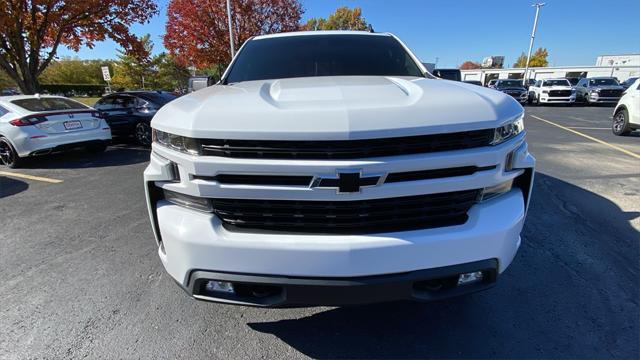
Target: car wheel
pixel 8 155
pixel 620 124
pixel 586 99
pixel 143 134
pixel 97 148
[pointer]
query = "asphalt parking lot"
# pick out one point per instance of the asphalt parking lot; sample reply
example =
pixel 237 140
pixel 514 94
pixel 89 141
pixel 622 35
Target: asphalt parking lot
pixel 81 275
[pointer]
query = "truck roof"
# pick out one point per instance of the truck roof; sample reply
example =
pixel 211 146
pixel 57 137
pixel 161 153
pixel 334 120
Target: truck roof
pixel 320 32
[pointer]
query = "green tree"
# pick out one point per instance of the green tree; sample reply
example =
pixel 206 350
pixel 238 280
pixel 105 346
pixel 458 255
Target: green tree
pixel 342 19
pixel 73 71
pixel 170 75
pixel 138 69
pixel 538 59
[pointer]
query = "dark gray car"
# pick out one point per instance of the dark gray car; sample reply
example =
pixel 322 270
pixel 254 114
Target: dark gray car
pixel 598 90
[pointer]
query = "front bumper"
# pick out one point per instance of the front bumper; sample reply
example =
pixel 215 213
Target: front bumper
pixel 558 100
pixel 195 246
pixel 279 291
pixel 595 98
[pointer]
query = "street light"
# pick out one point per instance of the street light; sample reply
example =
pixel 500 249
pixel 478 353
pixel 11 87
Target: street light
pixel 533 35
pixel 230 29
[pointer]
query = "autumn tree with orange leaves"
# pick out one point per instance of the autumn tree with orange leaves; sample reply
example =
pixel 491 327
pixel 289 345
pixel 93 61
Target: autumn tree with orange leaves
pixel 468 65
pixel 31 31
pixel 197 31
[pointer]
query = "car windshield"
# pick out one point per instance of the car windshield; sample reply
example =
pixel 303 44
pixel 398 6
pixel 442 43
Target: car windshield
pixel 509 83
pixel 630 81
pixel 48 104
pixel 601 82
pixel 158 98
pixel 321 55
pixel 562 82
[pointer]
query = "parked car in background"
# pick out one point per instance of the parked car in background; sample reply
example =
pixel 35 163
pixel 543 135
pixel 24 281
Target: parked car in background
pixel 199 82
pixel 492 83
pixel 33 125
pixel 528 83
pixel 627 83
pixel 474 82
pixel 598 90
pixel 557 91
pixel 129 113
pixel 9 92
pixel 512 87
pixel 448 74
pixel 626 115
pixel 573 81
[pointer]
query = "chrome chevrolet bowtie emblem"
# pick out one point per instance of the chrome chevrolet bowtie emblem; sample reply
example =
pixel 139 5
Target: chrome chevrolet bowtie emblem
pixel 347 181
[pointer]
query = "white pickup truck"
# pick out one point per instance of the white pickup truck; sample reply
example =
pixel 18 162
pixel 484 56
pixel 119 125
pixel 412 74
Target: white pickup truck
pixel 330 168
pixel 557 91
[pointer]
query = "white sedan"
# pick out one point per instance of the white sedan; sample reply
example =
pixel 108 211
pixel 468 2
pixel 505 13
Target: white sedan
pixel 626 116
pixel 33 125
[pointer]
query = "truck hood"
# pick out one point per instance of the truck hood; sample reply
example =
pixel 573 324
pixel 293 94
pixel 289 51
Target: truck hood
pixel 335 108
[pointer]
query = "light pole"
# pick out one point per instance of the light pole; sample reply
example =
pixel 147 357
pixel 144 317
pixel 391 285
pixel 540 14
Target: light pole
pixel 533 35
pixel 230 29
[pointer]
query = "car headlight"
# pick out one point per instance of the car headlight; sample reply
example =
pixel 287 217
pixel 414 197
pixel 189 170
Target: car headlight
pixel 508 131
pixel 176 142
pixel 545 91
pixel 595 91
pixel 573 91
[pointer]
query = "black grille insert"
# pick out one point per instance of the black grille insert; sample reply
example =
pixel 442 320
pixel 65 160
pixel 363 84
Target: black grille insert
pixel 610 93
pixel 348 217
pixel 435 173
pixel 560 93
pixel 346 149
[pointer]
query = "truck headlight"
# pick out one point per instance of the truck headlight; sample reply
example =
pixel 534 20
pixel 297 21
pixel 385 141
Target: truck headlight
pixel 545 91
pixel 508 130
pixel 176 142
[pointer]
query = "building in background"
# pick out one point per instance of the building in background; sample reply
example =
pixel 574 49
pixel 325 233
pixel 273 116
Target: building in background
pixel 618 60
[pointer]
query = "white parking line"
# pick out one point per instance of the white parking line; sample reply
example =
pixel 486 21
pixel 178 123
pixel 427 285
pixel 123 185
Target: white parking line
pixel 587 128
pixel 30 177
pixel 632 154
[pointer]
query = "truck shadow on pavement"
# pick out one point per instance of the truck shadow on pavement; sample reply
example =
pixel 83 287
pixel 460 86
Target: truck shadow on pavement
pixel 9 186
pixel 570 293
pixel 115 155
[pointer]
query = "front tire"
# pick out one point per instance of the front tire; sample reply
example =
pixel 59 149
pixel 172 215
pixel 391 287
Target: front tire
pixel 143 134
pixel 620 124
pixel 8 155
pixel 586 100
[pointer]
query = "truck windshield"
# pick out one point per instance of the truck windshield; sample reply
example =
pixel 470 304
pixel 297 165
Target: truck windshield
pixel 509 83
pixel 557 83
pixel 321 55
pixel 601 82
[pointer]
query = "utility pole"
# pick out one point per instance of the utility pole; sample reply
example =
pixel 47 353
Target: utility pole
pixel 533 35
pixel 233 52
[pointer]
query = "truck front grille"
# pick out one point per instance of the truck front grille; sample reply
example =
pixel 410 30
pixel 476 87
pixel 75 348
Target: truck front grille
pixel 346 149
pixel 347 217
pixel 610 93
pixel 560 93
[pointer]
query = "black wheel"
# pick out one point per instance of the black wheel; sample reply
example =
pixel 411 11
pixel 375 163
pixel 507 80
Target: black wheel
pixel 536 99
pixel 8 155
pixel 143 134
pixel 585 99
pixel 97 148
pixel 620 124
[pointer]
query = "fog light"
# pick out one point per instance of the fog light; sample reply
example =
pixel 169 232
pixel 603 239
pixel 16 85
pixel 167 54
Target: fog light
pixel 470 278
pixel 220 286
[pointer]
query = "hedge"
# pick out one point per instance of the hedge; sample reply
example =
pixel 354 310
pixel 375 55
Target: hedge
pixel 74 89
